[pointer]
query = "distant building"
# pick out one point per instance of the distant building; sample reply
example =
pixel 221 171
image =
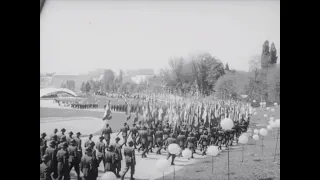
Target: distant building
pixel 58 79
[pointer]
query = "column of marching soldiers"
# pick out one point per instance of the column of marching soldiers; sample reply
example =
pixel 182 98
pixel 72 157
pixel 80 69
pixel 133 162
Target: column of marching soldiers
pixel 65 152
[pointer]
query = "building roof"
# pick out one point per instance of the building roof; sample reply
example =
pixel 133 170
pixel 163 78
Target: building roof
pixel 47 91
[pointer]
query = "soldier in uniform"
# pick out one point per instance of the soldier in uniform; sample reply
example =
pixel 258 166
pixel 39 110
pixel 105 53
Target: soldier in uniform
pixel 144 142
pixel 61 142
pixel 109 159
pixel 73 157
pixel 134 133
pixel 191 141
pixel 43 145
pixel 204 142
pixel 130 160
pixel 87 143
pixel 106 133
pixel 51 152
pixel 79 146
pixel 45 170
pixel 63 130
pixel 63 162
pixel 100 147
pixel 166 133
pixel 150 138
pixel 181 141
pixel 87 165
pixel 171 140
pixel 54 134
pixel 118 156
pixel 159 140
pixel 69 138
pixel 124 131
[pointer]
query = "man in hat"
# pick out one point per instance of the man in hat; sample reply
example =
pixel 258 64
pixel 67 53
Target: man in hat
pixel 87 143
pixel 63 130
pixel 109 159
pixel 171 140
pixel 63 162
pixel 150 134
pixel 73 157
pixel 144 142
pixel 51 152
pixel 130 160
pixel 100 147
pixel 204 139
pixel 181 141
pixel 124 131
pixel 45 170
pixel 118 156
pixel 43 144
pixel 106 133
pixel 69 138
pixel 134 133
pixel 79 146
pixel 54 134
pixel 61 142
pixel 191 141
pixel 159 140
pixel 87 165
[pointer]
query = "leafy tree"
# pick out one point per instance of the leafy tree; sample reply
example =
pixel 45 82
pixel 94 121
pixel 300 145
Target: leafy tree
pixel 273 54
pixel 108 79
pixel 265 55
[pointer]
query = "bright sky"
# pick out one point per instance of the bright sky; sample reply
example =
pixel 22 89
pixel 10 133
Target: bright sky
pixel 76 36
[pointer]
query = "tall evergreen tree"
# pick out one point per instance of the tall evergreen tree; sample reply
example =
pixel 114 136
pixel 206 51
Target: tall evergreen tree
pixel 273 55
pixel 227 67
pixel 265 56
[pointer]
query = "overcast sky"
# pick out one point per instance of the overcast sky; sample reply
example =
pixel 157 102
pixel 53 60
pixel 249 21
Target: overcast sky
pixel 77 36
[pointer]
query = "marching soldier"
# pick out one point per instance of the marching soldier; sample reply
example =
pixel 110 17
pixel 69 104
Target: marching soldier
pixel 43 145
pixel 95 160
pixel 69 138
pixel 204 142
pixel 61 142
pixel 130 160
pixel 45 170
pixel 171 140
pixel 73 157
pixel 166 132
pixel 79 146
pixel 118 156
pixel 109 159
pixel 159 140
pixel 88 142
pixel 144 143
pixel 63 162
pixel 51 152
pixel 106 133
pixel 134 133
pixel 124 131
pixel 150 138
pixel 191 141
pixel 181 141
pixel 87 165
pixel 100 147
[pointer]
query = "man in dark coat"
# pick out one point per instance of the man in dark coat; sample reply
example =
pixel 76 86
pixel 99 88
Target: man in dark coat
pixel 118 156
pixel 106 133
pixel 63 162
pixel 87 166
pixel 109 159
pixel 74 157
pixel 130 160
pixel 45 170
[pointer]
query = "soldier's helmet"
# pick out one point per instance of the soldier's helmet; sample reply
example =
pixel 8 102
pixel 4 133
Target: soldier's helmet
pixel 101 137
pixel 43 134
pixel 117 139
pixel 130 142
pixel 110 147
pixel 73 141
